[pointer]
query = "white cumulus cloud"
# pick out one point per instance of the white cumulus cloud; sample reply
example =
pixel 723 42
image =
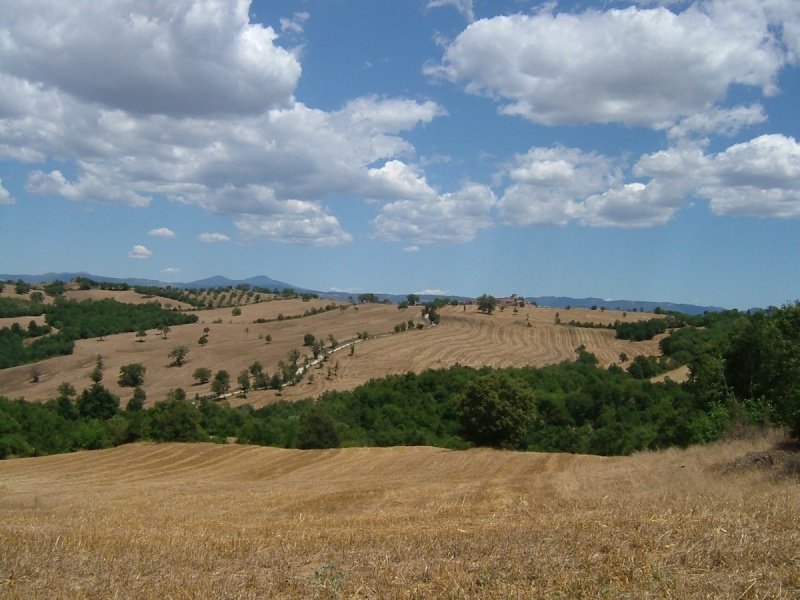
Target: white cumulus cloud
pixel 211 238
pixel 549 185
pixel 162 232
pixel 452 218
pixel 182 57
pixel 139 252
pixel 638 66
pixel 205 115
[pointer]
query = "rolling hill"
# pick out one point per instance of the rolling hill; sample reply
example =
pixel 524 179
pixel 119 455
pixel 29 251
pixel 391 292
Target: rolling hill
pixel 464 336
pixel 200 520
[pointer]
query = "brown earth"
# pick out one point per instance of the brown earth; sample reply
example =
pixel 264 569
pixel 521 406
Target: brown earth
pixel 207 521
pixel 127 296
pixel 464 336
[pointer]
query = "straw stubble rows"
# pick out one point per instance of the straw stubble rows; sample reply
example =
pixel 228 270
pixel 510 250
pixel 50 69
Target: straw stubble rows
pixel 186 521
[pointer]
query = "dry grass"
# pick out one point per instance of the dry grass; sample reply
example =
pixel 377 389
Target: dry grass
pixel 466 337
pixel 188 521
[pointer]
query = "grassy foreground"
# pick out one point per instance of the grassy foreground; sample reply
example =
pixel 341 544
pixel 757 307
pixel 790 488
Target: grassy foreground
pixel 199 520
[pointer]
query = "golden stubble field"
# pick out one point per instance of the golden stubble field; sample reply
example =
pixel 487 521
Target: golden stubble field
pixel 464 336
pixel 206 521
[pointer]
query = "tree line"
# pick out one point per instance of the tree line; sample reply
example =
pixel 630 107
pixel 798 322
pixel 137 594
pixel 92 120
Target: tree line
pixel 75 320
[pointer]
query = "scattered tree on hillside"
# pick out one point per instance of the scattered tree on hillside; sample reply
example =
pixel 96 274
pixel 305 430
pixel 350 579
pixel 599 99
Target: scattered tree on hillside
pixel 131 375
pixel 96 375
pixel 244 382
pixel 221 383
pixel 164 329
pixel 178 355
pixel 308 339
pixel 412 299
pixel 487 304
pixel 141 334
pixel 55 288
pixel 202 374
pixel 37 297
pixel 21 287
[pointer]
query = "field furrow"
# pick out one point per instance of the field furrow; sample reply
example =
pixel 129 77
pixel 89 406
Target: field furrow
pixel 204 520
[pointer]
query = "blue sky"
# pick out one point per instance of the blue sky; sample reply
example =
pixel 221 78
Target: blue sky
pixel 639 150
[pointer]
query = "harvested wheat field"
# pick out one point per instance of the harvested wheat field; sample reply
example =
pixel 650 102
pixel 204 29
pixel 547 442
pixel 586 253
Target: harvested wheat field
pixel 189 521
pixel 464 336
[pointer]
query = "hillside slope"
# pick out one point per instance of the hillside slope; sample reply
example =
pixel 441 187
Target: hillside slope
pixel 464 336
pixel 184 521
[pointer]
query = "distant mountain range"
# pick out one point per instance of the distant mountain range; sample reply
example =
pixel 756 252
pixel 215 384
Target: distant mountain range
pixel 267 282
pixel 209 282
pixel 629 305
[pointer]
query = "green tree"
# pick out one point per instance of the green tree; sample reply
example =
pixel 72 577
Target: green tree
pixel 96 375
pixel 55 288
pixel 244 382
pixel 487 304
pixel 136 403
pixel 131 375
pixel 202 374
pixel 221 383
pixel 762 363
pixel 175 420
pixel 317 429
pixel 308 339
pixel 178 356
pixel 22 287
pixel 255 368
pixel 37 297
pixel 412 299
pixel 496 410
pixel 65 401
pixel 236 312
pixel 164 329
pixel 141 334
pixel 97 403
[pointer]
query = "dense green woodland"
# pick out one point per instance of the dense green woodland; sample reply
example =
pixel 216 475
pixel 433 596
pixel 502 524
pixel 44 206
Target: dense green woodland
pixel 744 369
pixel 72 321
